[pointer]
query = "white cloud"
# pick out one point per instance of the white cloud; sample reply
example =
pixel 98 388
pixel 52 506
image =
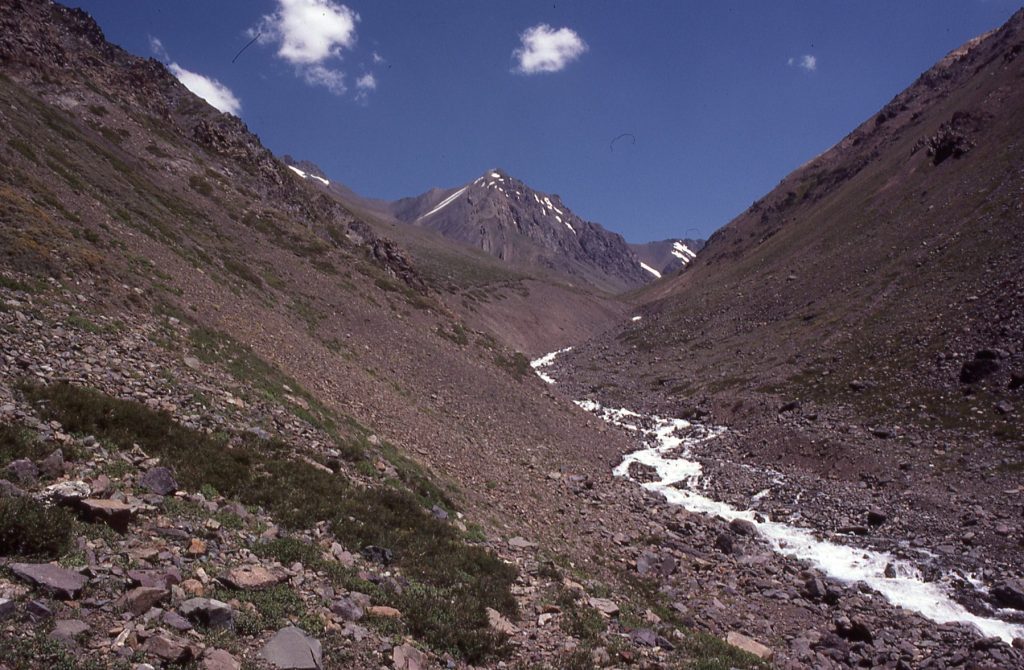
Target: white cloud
pixel 377 58
pixel 308 34
pixel 806 62
pixel 364 85
pixel 157 47
pixel 210 90
pixel 545 49
pixel 332 80
pixel 367 82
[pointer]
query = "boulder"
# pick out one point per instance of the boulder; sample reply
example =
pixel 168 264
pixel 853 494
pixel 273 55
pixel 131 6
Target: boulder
pixel 749 645
pixel 252 578
pixel 604 606
pixel 208 612
pixel 407 657
pixel 139 600
pixel 1010 594
pixel 53 465
pixel 67 631
pixel 159 480
pixel 500 624
pixel 61 583
pixel 7 608
pixel 23 471
pixel 114 513
pixel 218 659
pixel 292 649
pixel 743 527
pixel 164 578
pixel 168 648
pixel 376 554
pixel 973 371
pixel 347 609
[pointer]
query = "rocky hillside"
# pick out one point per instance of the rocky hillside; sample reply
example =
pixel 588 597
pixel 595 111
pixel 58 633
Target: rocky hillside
pixel 504 217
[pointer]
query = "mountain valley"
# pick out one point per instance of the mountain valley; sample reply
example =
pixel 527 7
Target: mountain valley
pixel 250 418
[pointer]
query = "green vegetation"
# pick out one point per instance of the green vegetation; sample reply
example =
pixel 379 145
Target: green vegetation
pixel 200 185
pixel 269 609
pixel 38 652
pixel 215 347
pixel 518 365
pixel 456 334
pixel 708 652
pixel 452 583
pixel 29 529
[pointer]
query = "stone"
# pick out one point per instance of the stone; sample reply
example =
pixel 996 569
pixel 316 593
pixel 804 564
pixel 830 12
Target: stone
pixel 520 543
pixel 175 621
pixel 877 517
pixel 168 648
pixel 139 600
pixel 23 471
pixel 8 608
pixel 384 611
pixel 218 659
pixel 743 527
pixel 749 645
pixel 644 637
pixel 604 606
pixel 972 372
pixel 499 623
pixel 196 547
pixel 38 610
pixel 376 554
pixel 193 362
pixel 650 563
pixel 114 513
pixel 208 612
pixel 407 657
pixel 53 465
pixel 1010 594
pixel 61 583
pixel 439 513
pixel 159 480
pixel 9 490
pixel 724 543
pixel 815 588
pixel 164 578
pixel 67 631
pixel 66 493
pixel 252 578
pixel 292 649
pixel 347 609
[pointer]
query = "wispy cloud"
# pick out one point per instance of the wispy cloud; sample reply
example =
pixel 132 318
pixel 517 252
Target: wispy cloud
pixel 364 85
pixel 806 62
pixel 207 88
pixel 313 35
pixel 545 49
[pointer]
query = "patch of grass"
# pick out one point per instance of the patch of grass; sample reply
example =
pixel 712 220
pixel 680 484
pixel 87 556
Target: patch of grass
pixel 243 272
pixel 29 529
pixel 456 334
pixel 517 365
pixel 214 347
pixel 708 652
pixel 272 608
pixel 452 582
pixel 81 323
pixel 199 184
pixel 38 652
pixel 580 620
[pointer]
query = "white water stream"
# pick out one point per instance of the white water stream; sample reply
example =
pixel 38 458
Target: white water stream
pixel 666 446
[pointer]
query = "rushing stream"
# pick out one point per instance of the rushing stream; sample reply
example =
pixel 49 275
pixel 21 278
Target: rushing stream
pixel 666 445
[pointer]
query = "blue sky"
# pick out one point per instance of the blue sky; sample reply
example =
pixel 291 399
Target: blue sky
pixel 723 98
